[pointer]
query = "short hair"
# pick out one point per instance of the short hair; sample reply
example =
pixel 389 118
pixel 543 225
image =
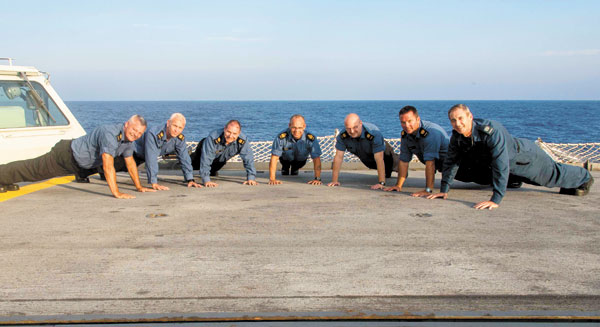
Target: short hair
pixel 408 109
pixel 177 116
pixel 139 119
pixel 297 116
pixel 234 121
pixel 458 106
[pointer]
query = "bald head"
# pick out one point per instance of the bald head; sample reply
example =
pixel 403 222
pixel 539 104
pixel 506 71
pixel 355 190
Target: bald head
pixel 353 125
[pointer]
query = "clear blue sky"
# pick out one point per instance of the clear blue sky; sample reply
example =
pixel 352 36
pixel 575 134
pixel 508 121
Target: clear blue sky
pixel 312 50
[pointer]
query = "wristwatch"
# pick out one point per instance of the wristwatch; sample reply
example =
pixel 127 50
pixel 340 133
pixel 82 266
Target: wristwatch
pixel 428 190
pixel 318 179
pixel 382 183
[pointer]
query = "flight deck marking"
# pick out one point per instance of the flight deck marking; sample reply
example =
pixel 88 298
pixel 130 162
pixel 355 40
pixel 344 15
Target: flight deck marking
pixel 36 187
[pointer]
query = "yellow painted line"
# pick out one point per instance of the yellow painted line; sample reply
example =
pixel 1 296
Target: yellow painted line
pixel 36 187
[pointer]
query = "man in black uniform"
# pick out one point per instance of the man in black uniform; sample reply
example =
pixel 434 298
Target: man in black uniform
pixel 491 147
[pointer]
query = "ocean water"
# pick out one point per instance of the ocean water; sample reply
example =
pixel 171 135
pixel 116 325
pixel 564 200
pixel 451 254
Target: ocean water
pixel 552 121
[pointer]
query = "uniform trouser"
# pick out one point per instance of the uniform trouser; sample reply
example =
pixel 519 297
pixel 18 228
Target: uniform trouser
pixel 196 155
pixel 531 165
pixel 215 166
pixel 58 162
pixel 293 164
pixel 534 166
pixel 390 159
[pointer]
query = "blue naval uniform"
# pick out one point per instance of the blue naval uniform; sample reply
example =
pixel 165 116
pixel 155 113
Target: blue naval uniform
pixel 154 143
pixel 430 142
pixel 365 146
pixel 110 139
pixel 80 156
pixel 504 154
pixel 290 149
pixel 215 149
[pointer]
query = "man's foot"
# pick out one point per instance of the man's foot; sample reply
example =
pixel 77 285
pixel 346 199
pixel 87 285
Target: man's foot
pixel 102 177
pixel 285 172
pixel 582 190
pixel 214 173
pixel 11 187
pixel 2 189
pixel 514 184
pixel 81 179
pixel 294 173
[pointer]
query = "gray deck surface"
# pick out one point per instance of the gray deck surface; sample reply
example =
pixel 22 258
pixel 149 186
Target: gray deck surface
pixel 75 250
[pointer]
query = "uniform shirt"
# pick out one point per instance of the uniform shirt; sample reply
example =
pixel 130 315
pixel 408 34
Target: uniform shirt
pixel 154 143
pixel 365 146
pixel 290 149
pixel 214 148
pixel 489 142
pixel 110 139
pixel 429 142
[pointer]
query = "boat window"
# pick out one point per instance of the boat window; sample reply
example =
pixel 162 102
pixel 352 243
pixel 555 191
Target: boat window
pixel 20 107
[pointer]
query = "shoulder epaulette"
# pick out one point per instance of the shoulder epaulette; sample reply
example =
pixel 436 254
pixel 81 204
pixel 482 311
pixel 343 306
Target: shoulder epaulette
pixel 120 137
pixel 181 137
pixel 423 132
pixel 344 135
pixel 218 140
pixel 487 129
pixel 241 141
pixel 160 135
pixel 310 136
pixel 403 133
pixel 282 135
pixel 369 136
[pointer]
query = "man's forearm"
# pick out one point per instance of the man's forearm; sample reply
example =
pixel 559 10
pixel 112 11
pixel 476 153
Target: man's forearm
pixel 429 174
pixel 273 167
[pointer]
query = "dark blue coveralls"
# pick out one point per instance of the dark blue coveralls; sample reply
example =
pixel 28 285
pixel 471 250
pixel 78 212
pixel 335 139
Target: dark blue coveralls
pixel 492 148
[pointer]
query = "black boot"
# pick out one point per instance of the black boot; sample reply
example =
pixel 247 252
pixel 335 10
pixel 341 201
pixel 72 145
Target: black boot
pixel 12 187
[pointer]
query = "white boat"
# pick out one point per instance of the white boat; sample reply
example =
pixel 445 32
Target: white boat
pixel 32 116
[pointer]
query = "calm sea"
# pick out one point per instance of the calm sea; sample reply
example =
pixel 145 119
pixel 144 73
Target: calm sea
pixel 552 121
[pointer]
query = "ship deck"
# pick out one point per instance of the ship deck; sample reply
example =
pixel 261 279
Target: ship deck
pixel 72 249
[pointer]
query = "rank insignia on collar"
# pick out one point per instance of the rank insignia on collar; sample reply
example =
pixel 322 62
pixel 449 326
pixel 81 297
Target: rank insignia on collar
pixel 310 136
pixel 160 135
pixel 120 137
pixel 423 132
pixel 344 135
pixel 241 141
pixel 369 136
pixel 218 140
pixel 282 135
pixel 403 133
pixel 181 137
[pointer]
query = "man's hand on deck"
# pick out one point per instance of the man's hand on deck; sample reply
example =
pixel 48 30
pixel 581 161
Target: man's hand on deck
pixel 159 187
pixel 486 205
